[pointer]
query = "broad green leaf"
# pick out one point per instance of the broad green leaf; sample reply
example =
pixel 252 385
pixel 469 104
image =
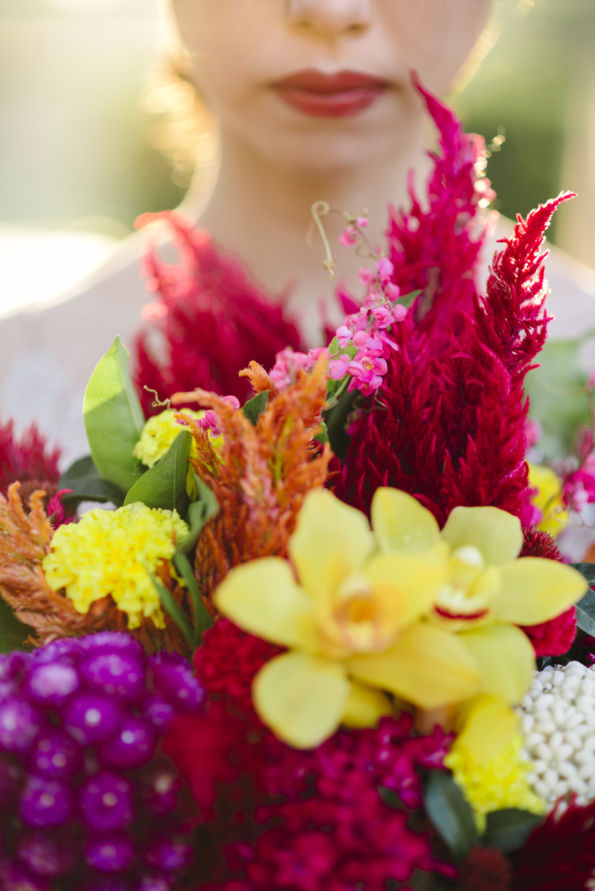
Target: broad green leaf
pixel 558 396
pixel 113 418
pixel 322 435
pixel 586 569
pixel 585 613
pixel 255 406
pixel 509 828
pixel 201 616
pixel 164 484
pixel 450 812
pixel 13 633
pixel 336 418
pixel 87 484
pixel 585 608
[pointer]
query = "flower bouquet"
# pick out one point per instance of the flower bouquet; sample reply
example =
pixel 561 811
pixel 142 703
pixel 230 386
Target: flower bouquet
pixel 313 638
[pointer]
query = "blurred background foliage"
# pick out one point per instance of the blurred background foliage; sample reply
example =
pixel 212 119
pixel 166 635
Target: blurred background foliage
pixel 77 151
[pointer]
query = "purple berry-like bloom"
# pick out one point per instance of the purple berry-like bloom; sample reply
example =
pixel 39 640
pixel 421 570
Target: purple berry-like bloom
pixel 81 792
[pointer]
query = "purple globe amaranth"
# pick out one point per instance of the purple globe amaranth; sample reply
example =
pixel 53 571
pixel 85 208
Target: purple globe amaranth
pixel 110 853
pixel 81 791
pixel 133 746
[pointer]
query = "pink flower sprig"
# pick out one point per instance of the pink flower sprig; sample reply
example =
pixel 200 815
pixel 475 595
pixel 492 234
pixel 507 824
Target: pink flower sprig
pixel 362 344
pixel 353 232
pixel 210 420
pixel 289 361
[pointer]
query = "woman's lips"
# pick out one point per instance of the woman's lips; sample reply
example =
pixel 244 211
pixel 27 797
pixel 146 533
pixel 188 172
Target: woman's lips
pixel 330 95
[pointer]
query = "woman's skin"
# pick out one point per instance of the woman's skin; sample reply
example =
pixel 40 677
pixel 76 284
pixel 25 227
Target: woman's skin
pixel 283 148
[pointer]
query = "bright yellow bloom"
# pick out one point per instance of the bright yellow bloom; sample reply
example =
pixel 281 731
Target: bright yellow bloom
pixel 486 762
pixel 115 552
pixel 159 433
pixel 548 499
pixel 487 593
pixel 353 626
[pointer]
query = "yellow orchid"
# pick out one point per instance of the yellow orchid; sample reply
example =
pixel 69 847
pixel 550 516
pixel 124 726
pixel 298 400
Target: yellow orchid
pixel 548 499
pixel 354 625
pixel 487 592
pixel 487 761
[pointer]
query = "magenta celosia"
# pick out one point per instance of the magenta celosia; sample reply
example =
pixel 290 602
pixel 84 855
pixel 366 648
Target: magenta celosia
pixel 27 457
pixel 211 318
pixel 560 854
pixel 553 638
pixel 299 820
pixel 449 421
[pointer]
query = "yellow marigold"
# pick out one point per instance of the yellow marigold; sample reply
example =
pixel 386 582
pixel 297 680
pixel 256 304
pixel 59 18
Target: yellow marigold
pixel 115 552
pixel 487 764
pixel 548 499
pixel 158 435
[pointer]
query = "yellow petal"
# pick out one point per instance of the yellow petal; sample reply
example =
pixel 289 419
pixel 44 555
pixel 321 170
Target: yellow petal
pixel 301 698
pixel 489 724
pixel 496 534
pixel 426 666
pixel 505 657
pixel 406 583
pixel 364 707
pixel 535 590
pixel 331 541
pixel 263 598
pixel 401 523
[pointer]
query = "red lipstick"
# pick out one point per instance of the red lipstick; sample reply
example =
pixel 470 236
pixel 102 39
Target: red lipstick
pixel 330 95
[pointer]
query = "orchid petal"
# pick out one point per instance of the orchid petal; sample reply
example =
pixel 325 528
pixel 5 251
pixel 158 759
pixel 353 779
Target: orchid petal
pixel 263 598
pixel 535 590
pixel 331 541
pixel 426 666
pixel 497 535
pixel 505 657
pixel 301 697
pixel 489 726
pixel 401 523
pixel 410 583
pixel 364 706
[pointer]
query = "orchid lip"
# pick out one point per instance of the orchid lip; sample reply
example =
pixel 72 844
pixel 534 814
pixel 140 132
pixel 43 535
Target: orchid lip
pixel 446 614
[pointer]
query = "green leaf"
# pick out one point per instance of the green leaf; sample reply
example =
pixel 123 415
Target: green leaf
pixel 334 346
pixel 174 610
pixel 334 389
pixel 13 633
pixel 336 418
pixel 408 299
pixel 202 509
pixel 87 484
pixel 586 569
pixel 558 396
pixel 509 828
pixel 164 484
pixel 322 435
pixel 450 812
pixel 113 418
pixel 255 406
pixel 585 613
pixel 201 616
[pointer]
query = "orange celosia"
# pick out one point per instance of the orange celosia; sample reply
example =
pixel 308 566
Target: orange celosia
pixel 260 473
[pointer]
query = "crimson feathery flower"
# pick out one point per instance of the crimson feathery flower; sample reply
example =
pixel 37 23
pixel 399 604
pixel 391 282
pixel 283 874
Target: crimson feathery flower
pixel 211 318
pixel 291 819
pixel 553 638
pixel 559 855
pixel 28 459
pixel 485 869
pixel 448 424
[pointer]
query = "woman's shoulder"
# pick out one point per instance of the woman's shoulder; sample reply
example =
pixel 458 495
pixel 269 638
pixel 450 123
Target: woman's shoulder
pixel 48 352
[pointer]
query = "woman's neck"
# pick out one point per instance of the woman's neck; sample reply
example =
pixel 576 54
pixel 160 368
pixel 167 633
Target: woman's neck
pixel 262 213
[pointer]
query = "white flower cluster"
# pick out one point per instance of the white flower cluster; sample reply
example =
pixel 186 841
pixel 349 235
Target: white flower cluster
pixel 558 723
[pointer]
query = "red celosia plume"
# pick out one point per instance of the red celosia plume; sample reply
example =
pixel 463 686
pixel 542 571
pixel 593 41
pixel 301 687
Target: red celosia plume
pixel 211 318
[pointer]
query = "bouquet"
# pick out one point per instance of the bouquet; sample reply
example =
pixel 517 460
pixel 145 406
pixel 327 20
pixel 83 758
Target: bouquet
pixel 312 637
